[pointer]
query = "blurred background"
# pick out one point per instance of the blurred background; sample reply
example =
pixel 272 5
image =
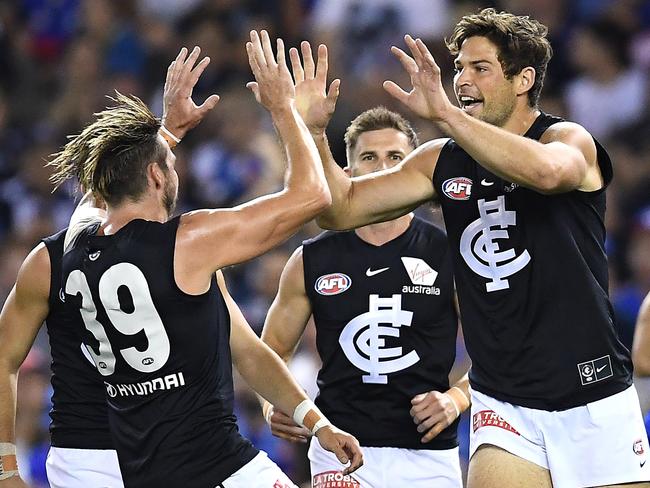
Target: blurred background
pixel 60 58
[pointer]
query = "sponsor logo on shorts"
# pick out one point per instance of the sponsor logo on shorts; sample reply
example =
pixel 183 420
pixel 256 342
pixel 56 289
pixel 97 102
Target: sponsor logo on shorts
pixel 332 284
pixel 595 370
pixel 168 382
pixel 489 418
pixel 459 188
pixel 637 447
pixel 280 484
pixel 334 479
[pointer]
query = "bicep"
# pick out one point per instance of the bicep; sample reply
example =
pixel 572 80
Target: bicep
pixel 25 309
pixel 641 345
pixel 290 310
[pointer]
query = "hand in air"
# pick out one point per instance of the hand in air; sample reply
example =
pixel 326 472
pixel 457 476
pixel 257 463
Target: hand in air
pixel 284 427
pixel 427 98
pixel 314 103
pixel 343 445
pixel 433 412
pixel 273 86
pixel 180 113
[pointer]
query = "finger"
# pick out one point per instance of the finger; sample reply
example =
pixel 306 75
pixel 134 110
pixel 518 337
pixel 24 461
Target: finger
pixel 209 103
pixel 418 398
pixel 284 420
pixel 407 61
pixel 333 92
pixel 356 458
pixel 170 71
pixel 307 60
pixel 433 433
pixel 253 59
pixel 322 65
pixel 291 430
pixel 396 92
pixel 178 62
pixel 427 56
pixel 340 454
pixel 281 57
pixel 296 66
pixel 252 86
pixel 191 59
pixel 415 51
pixel 290 437
pixel 267 49
pixel 256 49
pixel 198 71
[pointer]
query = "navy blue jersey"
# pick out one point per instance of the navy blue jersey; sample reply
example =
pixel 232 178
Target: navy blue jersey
pixel 79 414
pixel 385 330
pixel 164 357
pixel 531 273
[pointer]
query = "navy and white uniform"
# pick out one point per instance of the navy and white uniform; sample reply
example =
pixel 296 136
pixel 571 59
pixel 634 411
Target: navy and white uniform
pixel 386 330
pixel 164 357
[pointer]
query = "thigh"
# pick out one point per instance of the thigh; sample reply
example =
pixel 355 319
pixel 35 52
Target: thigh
pixel 600 444
pixel 82 468
pixel 492 467
pixel 260 472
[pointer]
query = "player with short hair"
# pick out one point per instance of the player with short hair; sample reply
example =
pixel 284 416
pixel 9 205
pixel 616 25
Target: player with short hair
pixel 523 198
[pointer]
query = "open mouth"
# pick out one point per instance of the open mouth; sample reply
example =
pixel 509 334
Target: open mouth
pixel 469 103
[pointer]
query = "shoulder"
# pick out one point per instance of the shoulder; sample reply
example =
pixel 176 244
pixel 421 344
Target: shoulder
pixel 563 130
pixel 426 155
pixel 36 266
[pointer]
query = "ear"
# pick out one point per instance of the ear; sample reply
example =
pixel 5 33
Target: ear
pixel 525 80
pixel 155 176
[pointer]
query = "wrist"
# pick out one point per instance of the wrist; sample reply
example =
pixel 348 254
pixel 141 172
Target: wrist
pixel 172 136
pixel 8 464
pixel 459 399
pixel 267 411
pixel 308 415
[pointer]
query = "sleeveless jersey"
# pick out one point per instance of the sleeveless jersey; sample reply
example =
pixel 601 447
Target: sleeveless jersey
pixel 531 273
pixel 79 417
pixel 164 357
pixel 385 330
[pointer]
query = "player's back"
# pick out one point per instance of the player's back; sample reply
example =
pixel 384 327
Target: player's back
pixel 79 414
pixel 164 356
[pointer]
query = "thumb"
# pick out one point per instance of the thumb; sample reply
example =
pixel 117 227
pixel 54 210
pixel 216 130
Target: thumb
pixel 395 91
pixel 340 454
pixel 255 88
pixel 209 103
pixel 333 92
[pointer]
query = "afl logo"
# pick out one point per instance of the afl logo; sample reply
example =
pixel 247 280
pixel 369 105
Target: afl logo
pixel 333 284
pixel 459 188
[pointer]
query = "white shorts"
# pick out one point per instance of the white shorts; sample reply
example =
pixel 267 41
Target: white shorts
pixel 83 468
pixel 387 467
pixel 601 443
pixel 259 472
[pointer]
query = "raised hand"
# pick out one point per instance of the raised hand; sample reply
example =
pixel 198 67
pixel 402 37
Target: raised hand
pixel 343 445
pixel 273 86
pixel 314 104
pixel 180 113
pixel 433 412
pixel 427 98
pixel 284 427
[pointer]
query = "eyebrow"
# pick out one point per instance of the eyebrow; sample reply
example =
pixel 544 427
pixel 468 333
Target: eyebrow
pixel 473 63
pixel 374 153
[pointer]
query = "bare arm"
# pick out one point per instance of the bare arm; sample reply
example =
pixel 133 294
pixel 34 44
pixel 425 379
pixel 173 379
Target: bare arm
pixel 641 345
pixel 563 160
pixel 283 328
pixel 22 316
pixel 267 374
pixel 211 239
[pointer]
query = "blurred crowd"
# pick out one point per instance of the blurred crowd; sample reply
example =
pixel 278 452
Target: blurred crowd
pixel 60 58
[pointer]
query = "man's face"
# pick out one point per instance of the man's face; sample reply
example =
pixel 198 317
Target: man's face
pixel 481 87
pixel 377 150
pixel 170 194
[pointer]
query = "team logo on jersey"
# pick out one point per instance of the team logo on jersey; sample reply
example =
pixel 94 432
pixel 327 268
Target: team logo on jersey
pixel 362 339
pixel 459 188
pixel 61 295
pixel 94 256
pixel 334 479
pixel 595 370
pixel 332 284
pixel 489 418
pixel 421 275
pixel 480 248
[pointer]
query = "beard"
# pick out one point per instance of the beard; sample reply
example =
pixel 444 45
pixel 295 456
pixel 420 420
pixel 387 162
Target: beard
pixel 170 197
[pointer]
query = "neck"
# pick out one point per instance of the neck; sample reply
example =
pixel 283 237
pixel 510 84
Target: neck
pixel 117 217
pixel 521 119
pixel 383 232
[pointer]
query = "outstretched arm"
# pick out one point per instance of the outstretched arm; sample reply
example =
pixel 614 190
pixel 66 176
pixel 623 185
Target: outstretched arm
pixel 563 160
pixel 22 316
pixel 267 374
pixel 641 345
pixel 356 201
pixel 211 239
